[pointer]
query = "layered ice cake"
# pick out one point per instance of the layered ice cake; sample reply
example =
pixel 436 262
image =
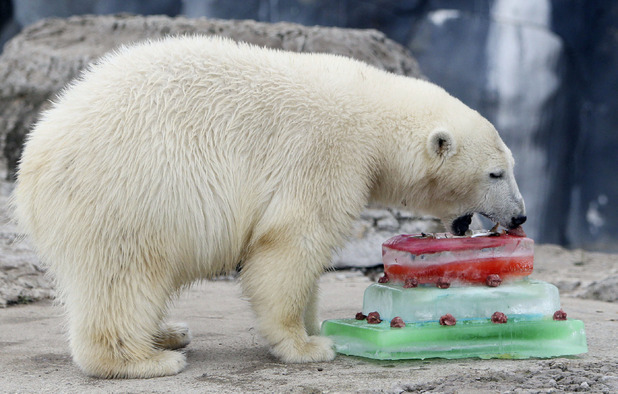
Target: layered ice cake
pixel 429 259
pixel 457 297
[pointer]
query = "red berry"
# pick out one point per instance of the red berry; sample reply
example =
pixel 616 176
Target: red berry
pixel 498 318
pixel 410 283
pixel 443 283
pixel 493 280
pixel 374 318
pixel 397 322
pixel 447 320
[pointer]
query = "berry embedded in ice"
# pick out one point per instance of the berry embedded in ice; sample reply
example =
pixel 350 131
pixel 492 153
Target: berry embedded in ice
pixel 493 280
pixel 443 283
pixel 397 322
pixel 360 316
pixel 447 320
pixel 383 279
pixel 498 318
pixel 374 318
pixel 428 303
pixel 410 283
pixel 560 315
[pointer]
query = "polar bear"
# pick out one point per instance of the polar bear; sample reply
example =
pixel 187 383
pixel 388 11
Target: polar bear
pixel 177 160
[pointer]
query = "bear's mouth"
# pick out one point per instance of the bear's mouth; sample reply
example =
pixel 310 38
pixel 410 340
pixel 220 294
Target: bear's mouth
pixel 461 224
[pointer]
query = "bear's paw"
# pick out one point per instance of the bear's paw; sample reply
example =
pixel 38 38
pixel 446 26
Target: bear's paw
pixel 315 349
pixel 161 363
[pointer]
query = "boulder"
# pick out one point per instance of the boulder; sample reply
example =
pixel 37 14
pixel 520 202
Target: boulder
pixel 603 290
pixel 376 225
pixel 22 277
pixel 37 63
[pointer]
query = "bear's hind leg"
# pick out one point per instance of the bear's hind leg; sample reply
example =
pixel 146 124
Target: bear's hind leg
pixel 113 329
pixel 280 281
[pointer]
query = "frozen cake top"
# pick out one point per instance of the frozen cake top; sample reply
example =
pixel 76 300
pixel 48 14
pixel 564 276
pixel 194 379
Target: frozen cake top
pixel 441 242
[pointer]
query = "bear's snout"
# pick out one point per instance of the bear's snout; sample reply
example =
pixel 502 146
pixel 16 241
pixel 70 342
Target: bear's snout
pixel 517 221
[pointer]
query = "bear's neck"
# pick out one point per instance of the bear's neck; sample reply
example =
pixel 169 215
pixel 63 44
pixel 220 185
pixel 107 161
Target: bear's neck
pixel 400 112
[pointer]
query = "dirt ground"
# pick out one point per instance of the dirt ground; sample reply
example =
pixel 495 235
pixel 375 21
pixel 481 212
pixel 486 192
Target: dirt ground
pixel 228 355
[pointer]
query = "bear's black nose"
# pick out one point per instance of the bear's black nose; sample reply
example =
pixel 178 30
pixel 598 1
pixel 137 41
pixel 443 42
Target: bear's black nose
pixel 518 220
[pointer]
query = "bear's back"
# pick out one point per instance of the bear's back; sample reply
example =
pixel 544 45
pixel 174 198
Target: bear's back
pixel 186 139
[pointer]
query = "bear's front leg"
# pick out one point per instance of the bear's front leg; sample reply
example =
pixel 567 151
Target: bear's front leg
pixel 312 322
pixel 280 279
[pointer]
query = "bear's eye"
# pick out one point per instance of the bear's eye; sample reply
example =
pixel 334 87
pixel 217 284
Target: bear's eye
pixel 496 175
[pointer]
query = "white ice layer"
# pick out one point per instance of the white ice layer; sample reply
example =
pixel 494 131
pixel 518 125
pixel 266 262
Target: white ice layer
pixel 526 298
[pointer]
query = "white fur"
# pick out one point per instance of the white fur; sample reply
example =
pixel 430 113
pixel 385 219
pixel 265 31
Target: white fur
pixel 172 161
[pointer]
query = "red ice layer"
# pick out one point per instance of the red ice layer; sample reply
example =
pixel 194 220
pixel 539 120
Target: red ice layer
pixel 418 244
pixel 505 255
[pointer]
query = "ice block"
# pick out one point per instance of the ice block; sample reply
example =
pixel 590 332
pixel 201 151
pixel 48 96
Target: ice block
pixel 511 317
pixel 526 299
pixel 516 339
pixel 460 260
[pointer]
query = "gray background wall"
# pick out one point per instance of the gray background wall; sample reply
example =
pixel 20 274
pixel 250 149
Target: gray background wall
pixel 543 71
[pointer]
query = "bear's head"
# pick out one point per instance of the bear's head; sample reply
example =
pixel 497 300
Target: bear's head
pixel 471 172
pixel 459 166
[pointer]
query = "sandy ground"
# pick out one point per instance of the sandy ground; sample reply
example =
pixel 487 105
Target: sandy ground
pixel 228 355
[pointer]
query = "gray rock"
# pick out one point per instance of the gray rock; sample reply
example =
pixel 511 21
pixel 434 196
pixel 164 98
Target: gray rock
pixel 388 223
pixel 37 63
pixel 422 224
pixel 22 279
pixel 364 247
pixel 374 214
pixel 381 218
pixel 603 290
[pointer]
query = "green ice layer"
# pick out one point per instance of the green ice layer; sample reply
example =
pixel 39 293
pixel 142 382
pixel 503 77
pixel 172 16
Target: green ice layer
pixel 467 339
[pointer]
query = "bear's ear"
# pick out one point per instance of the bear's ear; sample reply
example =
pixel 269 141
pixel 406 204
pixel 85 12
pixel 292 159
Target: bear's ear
pixel 441 143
